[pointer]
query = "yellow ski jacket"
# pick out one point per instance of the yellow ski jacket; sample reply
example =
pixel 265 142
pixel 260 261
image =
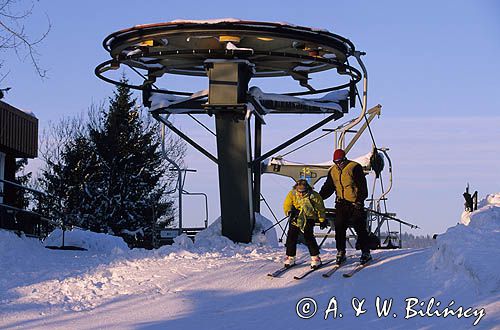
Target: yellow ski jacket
pixel 309 205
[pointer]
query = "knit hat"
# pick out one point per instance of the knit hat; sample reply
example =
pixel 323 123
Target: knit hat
pixel 338 155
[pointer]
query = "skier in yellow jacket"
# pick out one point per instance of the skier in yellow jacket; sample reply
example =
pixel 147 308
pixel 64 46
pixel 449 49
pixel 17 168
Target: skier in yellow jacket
pixel 304 206
pixel 347 180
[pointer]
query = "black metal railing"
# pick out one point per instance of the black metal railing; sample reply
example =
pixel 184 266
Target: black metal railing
pixel 16 217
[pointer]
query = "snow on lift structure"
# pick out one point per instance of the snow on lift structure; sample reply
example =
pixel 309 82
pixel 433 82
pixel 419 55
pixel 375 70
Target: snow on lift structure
pixel 230 52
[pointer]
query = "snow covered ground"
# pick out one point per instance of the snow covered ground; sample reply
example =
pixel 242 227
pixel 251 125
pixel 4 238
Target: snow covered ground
pixel 215 284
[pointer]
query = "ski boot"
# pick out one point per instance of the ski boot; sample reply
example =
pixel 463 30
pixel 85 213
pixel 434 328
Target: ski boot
pixel 315 262
pixel 289 261
pixel 365 257
pixel 340 258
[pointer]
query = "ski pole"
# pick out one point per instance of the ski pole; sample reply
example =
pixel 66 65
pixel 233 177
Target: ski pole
pixel 326 236
pixel 392 218
pixel 283 234
pixel 266 230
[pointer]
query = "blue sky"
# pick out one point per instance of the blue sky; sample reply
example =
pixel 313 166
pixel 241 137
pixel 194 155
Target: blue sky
pixel 432 65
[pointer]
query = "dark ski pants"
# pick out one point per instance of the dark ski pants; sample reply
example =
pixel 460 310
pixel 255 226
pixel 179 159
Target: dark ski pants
pixel 293 236
pixel 346 215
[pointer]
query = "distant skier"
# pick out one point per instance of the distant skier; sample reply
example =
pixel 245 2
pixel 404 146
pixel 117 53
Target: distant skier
pixel 304 206
pixel 347 180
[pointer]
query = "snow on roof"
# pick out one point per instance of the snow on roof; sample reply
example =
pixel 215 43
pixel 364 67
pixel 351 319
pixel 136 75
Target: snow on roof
pixel 159 100
pixel 233 20
pixel 28 112
pixel 163 100
pixel 228 20
pixel 335 96
pixel 329 101
pixel 206 21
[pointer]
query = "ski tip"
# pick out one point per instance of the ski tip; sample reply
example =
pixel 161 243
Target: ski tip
pixel 277 275
pixel 347 275
pixel 274 274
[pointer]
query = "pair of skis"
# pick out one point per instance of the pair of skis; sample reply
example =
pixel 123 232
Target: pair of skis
pixel 360 266
pixel 327 274
pixel 309 271
pixel 285 269
pixel 299 263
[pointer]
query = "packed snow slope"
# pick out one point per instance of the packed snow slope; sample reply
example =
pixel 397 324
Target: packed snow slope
pixel 216 284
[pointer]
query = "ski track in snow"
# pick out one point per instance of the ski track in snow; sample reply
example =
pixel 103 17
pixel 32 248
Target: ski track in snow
pixel 221 285
pixel 186 290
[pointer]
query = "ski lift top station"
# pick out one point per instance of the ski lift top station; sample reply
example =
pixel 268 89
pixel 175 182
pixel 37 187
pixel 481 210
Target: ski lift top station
pixel 231 52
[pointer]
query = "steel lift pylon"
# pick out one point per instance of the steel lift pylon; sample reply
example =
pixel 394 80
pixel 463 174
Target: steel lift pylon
pixel 231 53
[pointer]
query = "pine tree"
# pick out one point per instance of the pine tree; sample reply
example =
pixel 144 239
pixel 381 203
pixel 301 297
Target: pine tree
pixel 110 177
pixel 69 181
pixel 131 192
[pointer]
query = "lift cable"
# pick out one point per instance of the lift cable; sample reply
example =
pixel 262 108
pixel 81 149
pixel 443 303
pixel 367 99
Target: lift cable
pixel 202 125
pixel 366 119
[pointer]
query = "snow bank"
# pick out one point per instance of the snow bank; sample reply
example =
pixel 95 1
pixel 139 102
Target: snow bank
pixel 470 251
pixel 212 238
pixel 94 242
pixel 491 201
pixel 269 238
pixel 183 241
pixel 12 245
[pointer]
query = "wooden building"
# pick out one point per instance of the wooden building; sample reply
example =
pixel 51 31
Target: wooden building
pixel 18 139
